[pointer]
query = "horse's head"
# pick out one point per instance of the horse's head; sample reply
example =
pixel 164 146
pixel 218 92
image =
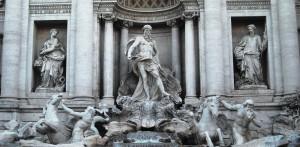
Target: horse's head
pixel 212 104
pixel 55 99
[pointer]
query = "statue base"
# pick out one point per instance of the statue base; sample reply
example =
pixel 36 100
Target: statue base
pixel 253 87
pixel 48 90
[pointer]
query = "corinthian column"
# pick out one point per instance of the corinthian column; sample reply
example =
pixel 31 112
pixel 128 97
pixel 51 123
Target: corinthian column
pixel 108 59
pixel 11 48
pixel 289 45
pixel 123 58
pixel 214 47
pixel 190 71
pixel 84 48
pixel 175 49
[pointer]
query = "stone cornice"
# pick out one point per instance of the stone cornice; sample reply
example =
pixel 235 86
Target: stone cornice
pixel 248 4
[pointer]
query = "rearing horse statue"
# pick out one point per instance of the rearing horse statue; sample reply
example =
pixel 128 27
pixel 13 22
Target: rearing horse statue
pixel 51 125
pixel 207 125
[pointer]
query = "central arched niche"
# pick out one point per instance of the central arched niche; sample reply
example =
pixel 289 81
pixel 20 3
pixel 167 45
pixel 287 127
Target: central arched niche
pixel 149 5
pixel 148 11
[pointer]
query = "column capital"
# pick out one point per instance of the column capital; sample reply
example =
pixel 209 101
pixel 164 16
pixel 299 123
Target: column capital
pixel 126 24
pixel 172 23
pixel 188 15
pixel 108 16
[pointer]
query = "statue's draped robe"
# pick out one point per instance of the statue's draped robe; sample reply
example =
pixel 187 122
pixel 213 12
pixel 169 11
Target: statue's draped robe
pixel 145 112
pixel 248 54
pixel 52 68
pixel 171 84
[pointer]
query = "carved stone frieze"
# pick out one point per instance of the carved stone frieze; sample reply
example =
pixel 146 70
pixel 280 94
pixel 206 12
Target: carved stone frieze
pixel 248 5
pixel 50 8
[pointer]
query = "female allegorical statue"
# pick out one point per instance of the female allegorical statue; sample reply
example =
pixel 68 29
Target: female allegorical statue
pixel 50 61
pixel 248 55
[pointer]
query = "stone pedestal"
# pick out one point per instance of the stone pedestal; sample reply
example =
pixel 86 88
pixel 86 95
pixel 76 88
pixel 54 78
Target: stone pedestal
pixel 253 87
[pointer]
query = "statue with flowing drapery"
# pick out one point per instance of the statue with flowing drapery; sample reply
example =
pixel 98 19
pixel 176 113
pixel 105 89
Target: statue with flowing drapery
pixel 148 86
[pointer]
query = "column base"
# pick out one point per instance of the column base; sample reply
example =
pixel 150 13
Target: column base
pixel 191 100
pixel 82 100
pixel 108 100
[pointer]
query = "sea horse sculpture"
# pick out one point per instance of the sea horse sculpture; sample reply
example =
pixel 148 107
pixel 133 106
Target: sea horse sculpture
pixel 51 125
pixel 208 129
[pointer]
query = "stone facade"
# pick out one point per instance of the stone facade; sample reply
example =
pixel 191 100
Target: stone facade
pixel 195 38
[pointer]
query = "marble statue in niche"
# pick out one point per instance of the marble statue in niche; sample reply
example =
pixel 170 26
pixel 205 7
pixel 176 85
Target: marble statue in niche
pixel 146 65
pixel 150 90
pixel 50 63
pixel 248 58
pixel 245 116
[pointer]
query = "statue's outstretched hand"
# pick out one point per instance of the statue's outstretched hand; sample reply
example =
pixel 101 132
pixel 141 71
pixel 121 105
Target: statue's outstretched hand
pixel 129 57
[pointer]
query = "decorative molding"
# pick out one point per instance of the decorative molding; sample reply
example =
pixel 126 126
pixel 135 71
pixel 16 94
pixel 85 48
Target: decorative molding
pixel 49 1
pixel 50 8
pixel 192 5
pixel 105 6
pixel 201 4
pixel 148 17
pixel 148 5
pixel 248 5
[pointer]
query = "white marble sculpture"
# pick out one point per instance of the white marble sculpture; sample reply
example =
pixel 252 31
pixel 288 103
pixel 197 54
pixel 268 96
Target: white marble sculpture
pixel 208 129
pixel 144 56
pixel 50 62
pixel 86 120
pixel 248 57
pixel 51 124
pixel 245 116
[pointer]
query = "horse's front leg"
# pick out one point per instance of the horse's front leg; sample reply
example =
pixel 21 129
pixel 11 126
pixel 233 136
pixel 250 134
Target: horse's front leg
pixel 221 140
pixel 208 140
